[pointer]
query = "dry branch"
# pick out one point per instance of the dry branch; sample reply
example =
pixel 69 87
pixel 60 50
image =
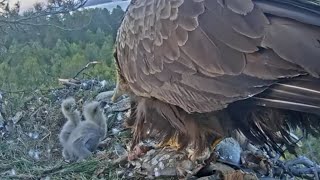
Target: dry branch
pixel 86 67
pixel 298 167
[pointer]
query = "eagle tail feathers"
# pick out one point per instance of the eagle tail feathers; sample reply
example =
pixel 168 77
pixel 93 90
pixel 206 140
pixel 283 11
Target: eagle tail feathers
pixel 271 116
pixel 302 95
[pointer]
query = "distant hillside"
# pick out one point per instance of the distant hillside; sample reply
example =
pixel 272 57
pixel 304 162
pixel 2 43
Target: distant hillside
pixel 97 2
pixel 110 5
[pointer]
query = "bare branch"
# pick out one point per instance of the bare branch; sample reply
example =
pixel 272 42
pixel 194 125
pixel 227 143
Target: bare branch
pixel 299 167
pixel 57 26
pixel 86 67
pixel 9 17
pixel 70 82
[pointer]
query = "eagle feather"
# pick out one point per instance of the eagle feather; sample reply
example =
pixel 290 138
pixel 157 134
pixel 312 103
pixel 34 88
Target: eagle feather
pixel 199 70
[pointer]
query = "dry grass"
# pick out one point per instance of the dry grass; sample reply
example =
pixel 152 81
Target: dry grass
pixel 30 147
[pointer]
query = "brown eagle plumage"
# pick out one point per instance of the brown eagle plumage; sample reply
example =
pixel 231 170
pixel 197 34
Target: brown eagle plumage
pixel 200 70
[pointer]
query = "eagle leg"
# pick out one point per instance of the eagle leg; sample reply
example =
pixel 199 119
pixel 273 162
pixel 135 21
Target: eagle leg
pixel 174 128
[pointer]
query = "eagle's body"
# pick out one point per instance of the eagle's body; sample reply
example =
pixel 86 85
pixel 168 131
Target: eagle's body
pixel 199 69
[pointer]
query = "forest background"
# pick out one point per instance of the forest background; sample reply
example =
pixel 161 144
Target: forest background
pixel 48 48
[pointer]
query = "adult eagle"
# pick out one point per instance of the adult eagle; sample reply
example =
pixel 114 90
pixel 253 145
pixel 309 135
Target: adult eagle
pixel 198 70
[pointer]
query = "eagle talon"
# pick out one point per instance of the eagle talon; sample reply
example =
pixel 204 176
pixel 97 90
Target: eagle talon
pixel 216 142
pixel 200 157
pixel 172 143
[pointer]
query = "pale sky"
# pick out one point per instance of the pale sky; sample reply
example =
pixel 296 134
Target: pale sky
pixel 26 4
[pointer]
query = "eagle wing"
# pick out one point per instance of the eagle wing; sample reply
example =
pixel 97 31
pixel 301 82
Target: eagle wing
pixel 202 55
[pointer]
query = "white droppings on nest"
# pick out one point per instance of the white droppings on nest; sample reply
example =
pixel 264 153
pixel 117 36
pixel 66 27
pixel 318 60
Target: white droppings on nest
pixel 115 131
pixel 164 157
pixel 119 172
pixel 161 165
pixel 17 117
pixel 31 152
pixel 154 161
pixel 119 116
pixel 32 108
pixel 137 165
pixel 33 135
pixel 156 172
pixel 49 150
pixel 103 83
pixel 13 172
pixel 35 154
pixel 107 106
pixel 127 114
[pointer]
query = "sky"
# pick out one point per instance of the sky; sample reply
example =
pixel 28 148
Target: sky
pixel 26 4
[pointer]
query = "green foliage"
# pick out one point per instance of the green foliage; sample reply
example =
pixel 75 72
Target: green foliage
pixel 310 146
pixel 40 55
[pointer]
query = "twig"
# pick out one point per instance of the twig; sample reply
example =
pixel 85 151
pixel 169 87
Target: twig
pixel 20 176
pixel 52 170
pixel 57 26
pixel 305 172
pixel 19 91
pixel 300 160
pixel 47 135
pixel 315 172
pixel 44 173
pixel 68 82
pixel 28 90
pixel 53 10
pixel 86 67
pixel 300 167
